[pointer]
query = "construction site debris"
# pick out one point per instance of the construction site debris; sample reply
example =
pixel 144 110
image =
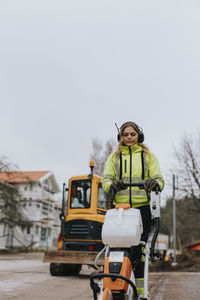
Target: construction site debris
pixel 186 262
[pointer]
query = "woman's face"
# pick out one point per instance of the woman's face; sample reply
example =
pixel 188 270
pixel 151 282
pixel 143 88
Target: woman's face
pixel 130 136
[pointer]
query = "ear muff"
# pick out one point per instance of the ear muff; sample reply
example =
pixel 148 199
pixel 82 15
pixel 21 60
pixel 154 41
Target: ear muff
pixel 138 129
pixel 140 136
pixel 118 137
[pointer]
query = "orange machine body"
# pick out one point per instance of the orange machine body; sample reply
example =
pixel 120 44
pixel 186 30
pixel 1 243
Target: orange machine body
pixel 125 270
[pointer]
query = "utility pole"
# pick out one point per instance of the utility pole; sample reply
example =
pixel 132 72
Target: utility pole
pixel 11 237
pixel 174 218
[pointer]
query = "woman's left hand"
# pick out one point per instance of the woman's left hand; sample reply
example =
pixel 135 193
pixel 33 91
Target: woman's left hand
pixel 150 185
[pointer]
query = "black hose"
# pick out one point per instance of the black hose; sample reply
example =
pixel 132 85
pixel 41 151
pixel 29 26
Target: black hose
pixel 152 254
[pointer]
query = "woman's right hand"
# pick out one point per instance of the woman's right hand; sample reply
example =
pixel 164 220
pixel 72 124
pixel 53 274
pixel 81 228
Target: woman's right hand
pixel 118 185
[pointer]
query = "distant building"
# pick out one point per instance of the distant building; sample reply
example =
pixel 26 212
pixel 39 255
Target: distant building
pixel 161 245
pixel 38 190
pixel 162 242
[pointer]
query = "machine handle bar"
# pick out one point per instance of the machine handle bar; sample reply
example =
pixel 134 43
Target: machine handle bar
pixel 141 186
pixel 132 184
pixel 112 191
pixel 137 184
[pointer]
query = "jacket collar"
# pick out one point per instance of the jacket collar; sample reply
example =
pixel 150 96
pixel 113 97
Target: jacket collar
pixel 134 148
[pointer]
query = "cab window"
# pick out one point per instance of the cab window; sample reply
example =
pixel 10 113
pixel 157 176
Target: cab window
pixel 102 197
pixel 80 194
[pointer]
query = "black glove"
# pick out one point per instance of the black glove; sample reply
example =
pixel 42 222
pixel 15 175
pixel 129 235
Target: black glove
pixel 150 185
pixel 118 185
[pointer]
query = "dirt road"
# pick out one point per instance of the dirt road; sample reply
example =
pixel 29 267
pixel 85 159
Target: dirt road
pixel 25 276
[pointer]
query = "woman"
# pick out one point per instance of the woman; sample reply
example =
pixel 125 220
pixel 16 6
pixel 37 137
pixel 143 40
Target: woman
pixel 133 162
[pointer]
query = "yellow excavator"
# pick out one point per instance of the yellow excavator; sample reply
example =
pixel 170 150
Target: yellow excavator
pixel 82 216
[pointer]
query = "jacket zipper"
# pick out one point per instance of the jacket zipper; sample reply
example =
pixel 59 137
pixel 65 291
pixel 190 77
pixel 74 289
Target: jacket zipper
pixel 130 201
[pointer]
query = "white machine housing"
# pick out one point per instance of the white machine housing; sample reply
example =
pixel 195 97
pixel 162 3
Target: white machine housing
pixel 155 205
pixel 122 228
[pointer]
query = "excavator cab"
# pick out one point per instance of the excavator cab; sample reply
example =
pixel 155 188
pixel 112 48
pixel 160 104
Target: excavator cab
pixel 83 214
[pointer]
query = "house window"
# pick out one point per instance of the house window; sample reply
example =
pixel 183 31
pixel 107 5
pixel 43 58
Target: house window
pixel 45 206
pixel 43 234
pixel 36 229
pixel 28 230
pixel 49 231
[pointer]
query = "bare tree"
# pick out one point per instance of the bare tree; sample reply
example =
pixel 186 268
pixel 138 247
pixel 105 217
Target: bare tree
pixel 100 153
pixel 10 198
pixel 6 165
pixel 188 167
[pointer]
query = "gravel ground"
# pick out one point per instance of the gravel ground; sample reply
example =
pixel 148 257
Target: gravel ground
pixel 25 276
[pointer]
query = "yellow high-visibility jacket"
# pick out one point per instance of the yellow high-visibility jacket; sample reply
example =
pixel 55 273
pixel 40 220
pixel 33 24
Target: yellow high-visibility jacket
pixel 132 168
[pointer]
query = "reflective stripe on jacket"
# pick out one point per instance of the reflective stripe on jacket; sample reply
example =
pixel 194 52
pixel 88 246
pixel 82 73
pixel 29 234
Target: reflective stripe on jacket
pixel 132 172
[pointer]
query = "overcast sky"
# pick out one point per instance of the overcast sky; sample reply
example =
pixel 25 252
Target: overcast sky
pixel 70 69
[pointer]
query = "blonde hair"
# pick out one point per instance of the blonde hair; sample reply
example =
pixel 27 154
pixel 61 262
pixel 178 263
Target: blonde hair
pixel 136 128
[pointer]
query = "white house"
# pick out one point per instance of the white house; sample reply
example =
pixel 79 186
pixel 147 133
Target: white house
pixel 38 190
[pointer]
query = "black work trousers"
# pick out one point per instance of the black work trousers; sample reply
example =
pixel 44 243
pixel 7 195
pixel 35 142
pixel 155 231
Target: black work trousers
pixel 136 251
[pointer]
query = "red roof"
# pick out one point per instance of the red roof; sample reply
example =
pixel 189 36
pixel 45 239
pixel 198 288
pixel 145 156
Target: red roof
pixel 18 176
